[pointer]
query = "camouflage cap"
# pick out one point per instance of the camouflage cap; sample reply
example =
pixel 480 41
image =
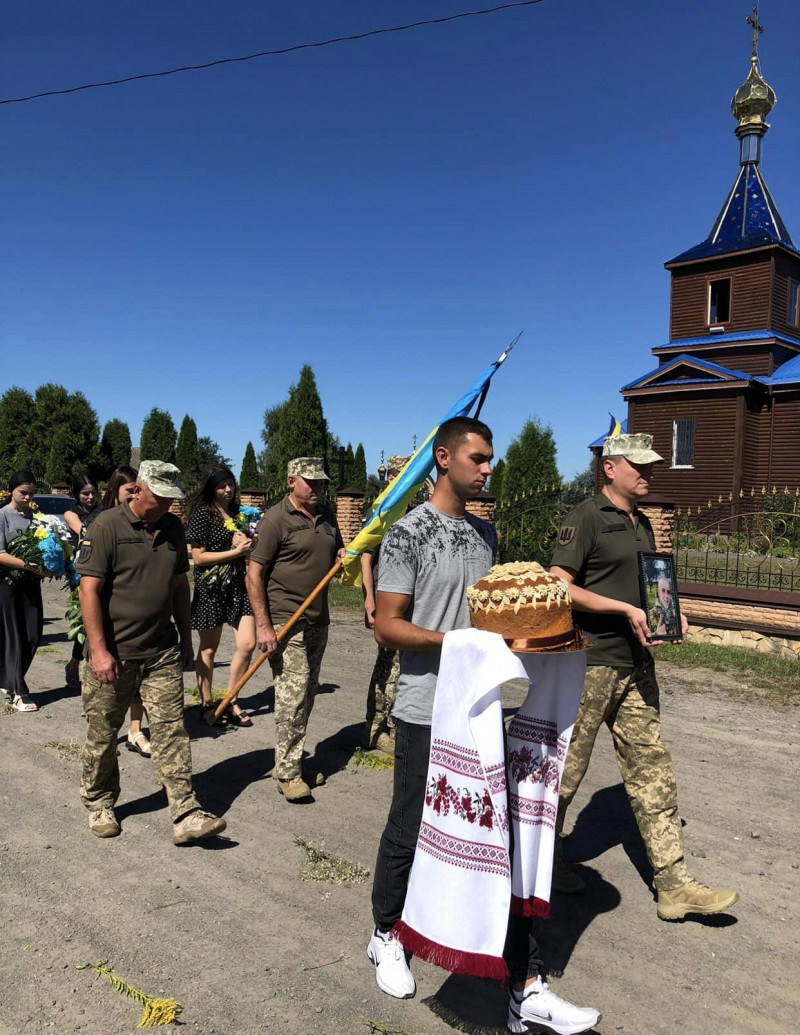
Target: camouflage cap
pixel 308 467
pixel 396 462
pixel 636 448
pixel 160 478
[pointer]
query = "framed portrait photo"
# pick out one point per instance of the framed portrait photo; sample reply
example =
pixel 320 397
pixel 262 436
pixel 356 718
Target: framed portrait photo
pixel 659 591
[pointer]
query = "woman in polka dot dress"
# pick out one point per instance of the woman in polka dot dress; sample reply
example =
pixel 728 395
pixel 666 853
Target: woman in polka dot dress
pixel 219 550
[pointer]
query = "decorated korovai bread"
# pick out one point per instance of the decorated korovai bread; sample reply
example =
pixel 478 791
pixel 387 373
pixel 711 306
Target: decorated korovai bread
pixel 522 601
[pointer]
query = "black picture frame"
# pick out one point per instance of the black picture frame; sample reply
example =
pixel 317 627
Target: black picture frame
pixel 657 577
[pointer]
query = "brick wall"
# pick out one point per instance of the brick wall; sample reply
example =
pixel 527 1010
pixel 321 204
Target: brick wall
pixel 349 508
pixel 482 507
pixel 253 498
pixel 661 513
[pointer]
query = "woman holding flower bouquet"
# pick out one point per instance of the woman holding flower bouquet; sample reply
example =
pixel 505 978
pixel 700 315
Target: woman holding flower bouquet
pixel 78 520
pixel 220 539
pixel 21 615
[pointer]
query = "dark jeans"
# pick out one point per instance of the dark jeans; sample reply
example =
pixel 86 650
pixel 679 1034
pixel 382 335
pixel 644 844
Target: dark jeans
pixel 399 841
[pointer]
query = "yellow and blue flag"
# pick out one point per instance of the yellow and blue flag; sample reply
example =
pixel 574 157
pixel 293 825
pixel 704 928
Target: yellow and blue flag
pixel 614 428
pixel 395 498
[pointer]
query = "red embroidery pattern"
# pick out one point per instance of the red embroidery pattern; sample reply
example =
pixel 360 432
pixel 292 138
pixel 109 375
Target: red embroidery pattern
pixel 441 796
pixel 534 813
pixel 534 731
pixel 524 765
pixel 468 855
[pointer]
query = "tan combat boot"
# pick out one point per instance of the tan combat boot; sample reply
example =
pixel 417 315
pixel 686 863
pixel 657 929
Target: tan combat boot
pixel 103 823
pixel 693 897
pixel 295 789
pixel 196 826
pixel 384 742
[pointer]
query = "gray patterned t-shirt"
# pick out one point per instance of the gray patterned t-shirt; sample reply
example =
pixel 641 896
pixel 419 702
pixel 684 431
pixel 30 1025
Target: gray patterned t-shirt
pixel 432 558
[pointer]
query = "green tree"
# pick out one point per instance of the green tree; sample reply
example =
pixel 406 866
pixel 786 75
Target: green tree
pixel 61 458
pixel 16 414
pixel 584 480
pixel 303 430
pixel 272 478
pixel 187 458
pixel 349 467
pixel 249 472
pixel 115 445
pixel 496 479
pixel 359 477
pixel 158 437
pixel 209 453
pixel 531 477
pixel 55 408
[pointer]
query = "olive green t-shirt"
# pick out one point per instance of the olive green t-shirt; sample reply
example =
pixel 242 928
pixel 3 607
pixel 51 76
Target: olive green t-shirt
pixel 137 566
pixel 297 552
pixel 601 545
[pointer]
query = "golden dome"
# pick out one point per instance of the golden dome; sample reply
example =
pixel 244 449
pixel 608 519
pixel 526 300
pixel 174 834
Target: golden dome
pixel 754 99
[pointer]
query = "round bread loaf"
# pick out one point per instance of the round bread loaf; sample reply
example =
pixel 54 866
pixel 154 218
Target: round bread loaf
pixel 522 601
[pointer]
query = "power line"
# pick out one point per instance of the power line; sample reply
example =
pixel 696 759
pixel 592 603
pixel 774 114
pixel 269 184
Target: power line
pixel 271 53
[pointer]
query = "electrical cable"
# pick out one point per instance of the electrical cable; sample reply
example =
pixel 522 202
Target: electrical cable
pixel 271 53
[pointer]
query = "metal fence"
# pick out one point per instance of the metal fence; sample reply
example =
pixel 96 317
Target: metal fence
pixel 749 542
pixel 528 524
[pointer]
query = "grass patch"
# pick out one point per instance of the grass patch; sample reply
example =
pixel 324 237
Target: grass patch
pixel 5 708
pixel 770 672
pixel 48 650
pixel 67 750
pixel 375 760
pixel 325 866
pixel 217 693
pixel 345 598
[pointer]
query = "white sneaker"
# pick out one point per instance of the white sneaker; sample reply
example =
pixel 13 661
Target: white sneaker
pixel 391 970
pixel 539 1009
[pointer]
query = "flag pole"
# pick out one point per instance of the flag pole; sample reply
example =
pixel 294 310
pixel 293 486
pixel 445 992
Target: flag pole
pixel 285 629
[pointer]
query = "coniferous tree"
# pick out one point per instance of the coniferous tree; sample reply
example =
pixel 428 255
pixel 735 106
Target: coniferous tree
pixel 16 413
pixel 531 469
pixel 187 458
pixel 115 446
pixel 303 430
pixel 496 479
pixel 158 437
pixel 359 479
pixel 272 478
pixel 248 476
pixel 349 467
pixel 61 458
pixel 209 453
pixel 55 408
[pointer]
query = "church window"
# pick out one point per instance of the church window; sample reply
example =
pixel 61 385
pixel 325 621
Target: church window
pixel 793 315
pixel 719 301
pixel 683 442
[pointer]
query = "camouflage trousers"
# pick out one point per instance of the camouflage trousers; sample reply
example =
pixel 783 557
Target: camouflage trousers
pixel 159 683
pixel 382 688
pixel 627 701
pixel 295 669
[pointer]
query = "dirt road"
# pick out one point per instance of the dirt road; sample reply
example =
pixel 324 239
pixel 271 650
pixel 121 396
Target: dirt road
pixel 234 934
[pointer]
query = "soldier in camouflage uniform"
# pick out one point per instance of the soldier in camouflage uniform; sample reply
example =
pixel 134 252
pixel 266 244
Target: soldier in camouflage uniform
pixel 298 543
pixel 597 553
pixel 133 564
pixel 379 725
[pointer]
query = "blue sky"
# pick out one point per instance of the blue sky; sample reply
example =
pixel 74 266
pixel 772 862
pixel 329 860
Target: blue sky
pixel 391 211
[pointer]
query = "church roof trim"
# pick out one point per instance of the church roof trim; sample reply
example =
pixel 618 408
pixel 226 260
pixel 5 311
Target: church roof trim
pixel 703 366
pixel 730 338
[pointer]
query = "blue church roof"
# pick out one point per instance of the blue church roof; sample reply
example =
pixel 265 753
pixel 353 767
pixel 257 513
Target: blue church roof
pixel 714 370
pixel 748 219
pixel 599 441
pixel 732 336
pixel 787 373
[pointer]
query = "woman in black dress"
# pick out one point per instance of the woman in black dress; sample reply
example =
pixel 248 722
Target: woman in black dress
pixel 21 615
pixel 78 520
pixel 219 554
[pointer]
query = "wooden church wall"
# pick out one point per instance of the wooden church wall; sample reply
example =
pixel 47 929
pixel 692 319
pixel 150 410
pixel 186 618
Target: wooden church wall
pixel 785 468
pixel 715 450
pixel 786 267
pixel 752 359
pixel 758 418
pixel 750 296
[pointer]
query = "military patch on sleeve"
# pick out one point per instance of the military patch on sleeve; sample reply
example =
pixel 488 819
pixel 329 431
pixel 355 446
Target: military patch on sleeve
pixel 566 535
pixel 84 550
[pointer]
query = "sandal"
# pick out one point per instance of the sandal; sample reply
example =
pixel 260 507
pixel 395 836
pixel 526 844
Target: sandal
pixel 23 703
pixel 239 718
pixel 210 708
pixel 132 745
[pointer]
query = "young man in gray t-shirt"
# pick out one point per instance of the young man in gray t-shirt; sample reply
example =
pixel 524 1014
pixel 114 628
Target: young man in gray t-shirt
pixel 428 559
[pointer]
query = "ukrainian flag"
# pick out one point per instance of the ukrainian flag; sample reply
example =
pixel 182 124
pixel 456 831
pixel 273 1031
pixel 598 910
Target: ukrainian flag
pixel 614 428
pixel 394 500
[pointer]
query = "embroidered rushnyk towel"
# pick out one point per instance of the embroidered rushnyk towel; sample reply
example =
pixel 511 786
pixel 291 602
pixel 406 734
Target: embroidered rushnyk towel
pixel 538 738
pixel 460 889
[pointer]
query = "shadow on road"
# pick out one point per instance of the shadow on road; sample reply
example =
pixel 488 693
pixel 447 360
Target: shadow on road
pixel 606 821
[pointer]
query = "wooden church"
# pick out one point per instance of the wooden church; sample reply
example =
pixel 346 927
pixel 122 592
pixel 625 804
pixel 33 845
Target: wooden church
pixel 723 402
